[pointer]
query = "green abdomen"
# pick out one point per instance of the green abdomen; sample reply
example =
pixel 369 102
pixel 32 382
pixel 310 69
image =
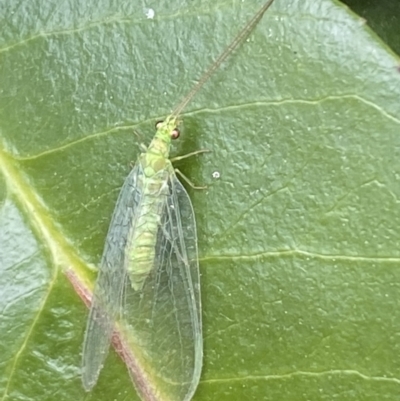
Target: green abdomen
pixel 142 249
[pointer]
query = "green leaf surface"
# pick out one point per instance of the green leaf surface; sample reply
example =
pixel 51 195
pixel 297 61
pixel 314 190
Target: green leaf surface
pixel 382 16
pixel 299 237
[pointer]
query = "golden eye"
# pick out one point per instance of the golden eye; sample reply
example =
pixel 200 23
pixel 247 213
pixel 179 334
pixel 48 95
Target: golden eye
pixel 175 133
pixel 158 123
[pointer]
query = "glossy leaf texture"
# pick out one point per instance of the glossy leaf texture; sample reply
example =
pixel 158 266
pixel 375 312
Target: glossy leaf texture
pixel 298 237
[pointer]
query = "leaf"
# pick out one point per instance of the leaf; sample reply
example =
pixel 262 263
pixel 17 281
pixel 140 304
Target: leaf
pixel 298 238
pixel 383 17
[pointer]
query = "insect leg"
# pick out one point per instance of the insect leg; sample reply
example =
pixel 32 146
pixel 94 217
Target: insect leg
pixel 187 180
pixel 175 159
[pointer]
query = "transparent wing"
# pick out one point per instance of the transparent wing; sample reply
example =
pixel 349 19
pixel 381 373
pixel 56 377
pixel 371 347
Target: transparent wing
pixel 162 321
pixel 106 300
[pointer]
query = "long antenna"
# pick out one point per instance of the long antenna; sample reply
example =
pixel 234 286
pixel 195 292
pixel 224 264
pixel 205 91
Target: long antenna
pixel 240 37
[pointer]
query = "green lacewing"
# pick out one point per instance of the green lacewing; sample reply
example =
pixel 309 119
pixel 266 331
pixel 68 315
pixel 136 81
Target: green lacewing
pixel 148 286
